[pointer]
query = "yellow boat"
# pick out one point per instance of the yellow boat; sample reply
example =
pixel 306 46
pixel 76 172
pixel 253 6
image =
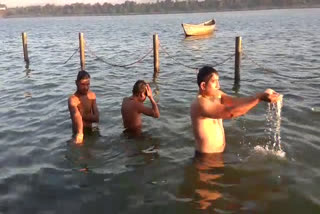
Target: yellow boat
pixel 3 10
pixel 204 28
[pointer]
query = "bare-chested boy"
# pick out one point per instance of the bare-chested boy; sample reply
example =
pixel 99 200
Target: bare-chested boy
pixel 133 107
pixel 212 105
pixel 82 106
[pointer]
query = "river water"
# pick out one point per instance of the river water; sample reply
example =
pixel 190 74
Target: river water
pixel 270 164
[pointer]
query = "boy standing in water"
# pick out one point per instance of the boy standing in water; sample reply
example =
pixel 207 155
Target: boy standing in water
pixel 133 106
pixel 212 106
pixel 82 106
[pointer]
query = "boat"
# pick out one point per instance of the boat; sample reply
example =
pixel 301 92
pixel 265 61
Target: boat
pixel 204 28
pixel 3 10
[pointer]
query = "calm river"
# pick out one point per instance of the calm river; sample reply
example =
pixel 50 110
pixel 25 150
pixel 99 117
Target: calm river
pixel 271 163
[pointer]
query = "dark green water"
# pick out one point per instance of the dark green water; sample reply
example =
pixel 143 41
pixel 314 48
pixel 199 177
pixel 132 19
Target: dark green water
pixel 42 172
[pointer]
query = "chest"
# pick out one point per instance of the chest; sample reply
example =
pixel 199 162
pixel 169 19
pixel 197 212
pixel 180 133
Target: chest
pixel 85 104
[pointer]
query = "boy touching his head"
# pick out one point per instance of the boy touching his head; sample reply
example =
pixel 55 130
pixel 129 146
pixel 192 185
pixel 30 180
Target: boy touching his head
pixel 132 107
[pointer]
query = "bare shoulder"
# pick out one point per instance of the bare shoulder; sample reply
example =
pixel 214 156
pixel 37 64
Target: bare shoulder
pixel 202 101
pixel 129 103
pixel 206 104
pixel 73 100
pixel 195 107
pixel 125 101
pixel 194 103
pixel 91 95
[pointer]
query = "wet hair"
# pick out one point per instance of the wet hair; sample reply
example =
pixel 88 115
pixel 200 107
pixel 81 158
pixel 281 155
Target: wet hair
pixel 139 87
pixel 205 74
pixel 83 75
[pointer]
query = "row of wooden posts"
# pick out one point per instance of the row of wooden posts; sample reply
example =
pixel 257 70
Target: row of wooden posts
pixel 156 62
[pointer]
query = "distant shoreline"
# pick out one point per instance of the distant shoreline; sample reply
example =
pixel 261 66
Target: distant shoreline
pixel 169 12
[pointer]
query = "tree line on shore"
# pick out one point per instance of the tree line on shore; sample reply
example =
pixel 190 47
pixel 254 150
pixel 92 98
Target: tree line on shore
pixel 166 6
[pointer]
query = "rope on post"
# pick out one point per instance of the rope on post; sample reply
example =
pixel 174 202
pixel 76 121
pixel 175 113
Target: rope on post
pixel 224 61
pixel 76 51
pixel 115 65
pixel 164 50
pixel 254 62
pixel 274 71
pixel 215 65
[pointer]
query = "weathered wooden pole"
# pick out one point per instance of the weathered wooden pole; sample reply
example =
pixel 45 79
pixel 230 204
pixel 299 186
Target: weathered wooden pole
pixel 156 54
pixel 25 47
pixel 237 61
pixel 82 53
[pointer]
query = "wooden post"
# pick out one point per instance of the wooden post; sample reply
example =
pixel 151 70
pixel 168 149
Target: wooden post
pixel 156 54
pixel 25 47
pixel 237 61
pixel 82 53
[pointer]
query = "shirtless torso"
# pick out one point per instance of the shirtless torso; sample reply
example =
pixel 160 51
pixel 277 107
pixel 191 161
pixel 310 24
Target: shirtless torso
pixel 132 108
pixel 83 112
pixel 86 105
pixel 130 114
pixel 208 132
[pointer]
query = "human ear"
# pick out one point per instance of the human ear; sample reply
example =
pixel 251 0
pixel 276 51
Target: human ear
pixel 203 85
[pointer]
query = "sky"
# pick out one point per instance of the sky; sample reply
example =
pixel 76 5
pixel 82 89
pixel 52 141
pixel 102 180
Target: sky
pixel 22 3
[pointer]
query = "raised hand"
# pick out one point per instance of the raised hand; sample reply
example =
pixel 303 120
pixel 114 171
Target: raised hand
pixel 271 96
pixel 149 91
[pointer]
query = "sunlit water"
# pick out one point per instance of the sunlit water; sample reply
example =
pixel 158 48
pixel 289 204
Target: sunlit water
pixel 271 161
pixel 272 130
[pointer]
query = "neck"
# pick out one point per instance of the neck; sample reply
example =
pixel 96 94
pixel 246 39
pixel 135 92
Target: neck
pixel 78 93
pixel 135 98
pixel 205 95
pixel 202 94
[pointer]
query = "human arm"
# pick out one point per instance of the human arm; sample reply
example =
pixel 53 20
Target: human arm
pixel 268 95
pixel 232 101
pixel 216 110
pixel 154 111
pixel 76 118
pixel 234 107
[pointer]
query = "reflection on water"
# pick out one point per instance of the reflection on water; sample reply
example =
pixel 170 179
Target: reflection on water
pixel 27 71
pixel 192 38
pixel 214 185
pixel 202 178
pixel 156 91
pixel 89 156
pixel 141 146
pixel 80 155
pixel 27 94
pixel 41 172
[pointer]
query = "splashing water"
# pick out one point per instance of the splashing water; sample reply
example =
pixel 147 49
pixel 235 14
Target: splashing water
pixel 272 130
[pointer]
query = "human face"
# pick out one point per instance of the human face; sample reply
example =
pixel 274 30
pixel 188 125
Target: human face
pixel 212 85
pixel 83 86
pixel 143 97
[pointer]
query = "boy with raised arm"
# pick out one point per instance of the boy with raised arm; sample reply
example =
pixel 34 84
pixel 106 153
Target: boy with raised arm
pixel 82 107
pixel 212 106
pixel 132 107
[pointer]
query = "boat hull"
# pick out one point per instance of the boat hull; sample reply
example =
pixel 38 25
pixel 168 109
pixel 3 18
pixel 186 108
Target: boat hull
pixel 200 29
pixel 2 13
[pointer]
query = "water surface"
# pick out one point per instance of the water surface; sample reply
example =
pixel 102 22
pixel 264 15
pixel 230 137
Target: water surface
pixel 42 172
